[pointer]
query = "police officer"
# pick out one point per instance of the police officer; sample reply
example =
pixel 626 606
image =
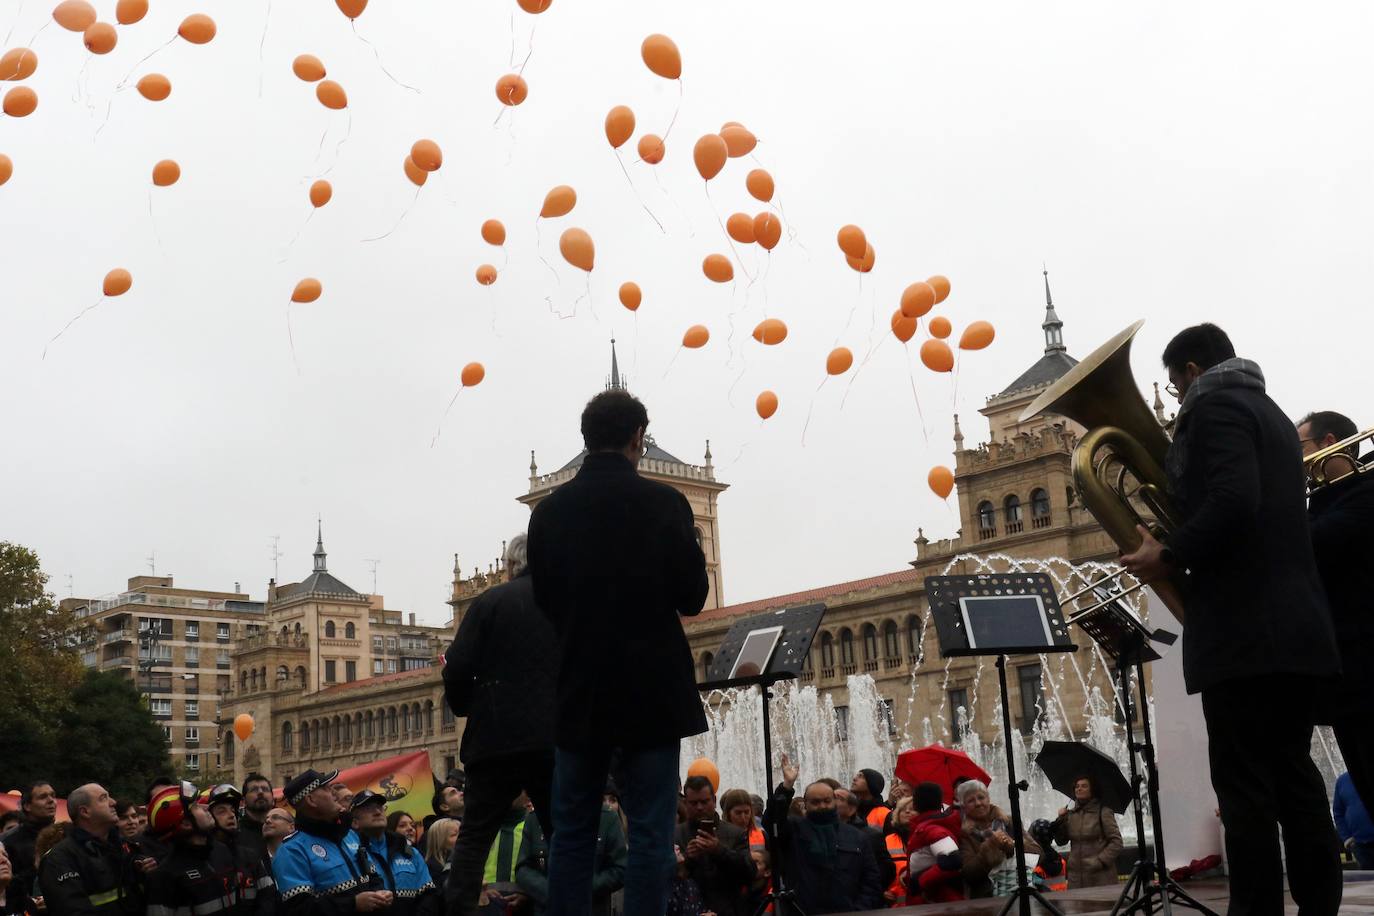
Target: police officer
pixel 401 866
pixel 320 869
pixel 199 874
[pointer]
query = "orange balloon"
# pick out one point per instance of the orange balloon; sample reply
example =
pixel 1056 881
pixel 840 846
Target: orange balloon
pixel 308 67
pixel 766 404
pixel 940 327
pixel 696 337
pixel 740 227
pixel 651 149
pixel 20 102
pixel 472 374
pixel 865 264
pixel 427 155
pixel 839 361
pixel 512 89
pixel 709 155
pixel 620 125
pixel 243 726
pixel 166 172
pixel 577 248
pixel 738 141
pixel 308 290
pixel 770 331
pixel 155 87
pixel 937 356
pixel 903 328
pixel 717 268
pixel 493 232
pixel 127 12
pixel 976 336
pixel 197 28
pixel 117 282
pixel 661 56
pixel 730 124
pixel 852 242
pixel 760 184
pixel 941 286
pixel 18 64
pixel 941 480
pixel 352 8
pixel 74 15
pixel 331 95
pixel 558 202
pixel 917 299
pixel 100 38
pixel 6 168
pixel 630 295
pixel 767 230
pixel 417 175
pixel 320 193
pixel 534 6
pixel 486 275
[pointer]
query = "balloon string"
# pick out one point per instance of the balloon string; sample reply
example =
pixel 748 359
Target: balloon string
pixel 18 14
pixel 291 338
pixel 438 432
pixel 69 324
pixel 528 54
pixel 640 198
pixel 671 361
pixel 812 407
pixel 675 112
pixel 292 243
pixel 108 108
pixel 404 214
pixel 634 366
pixel 124 82
pixel 730 395
pixel 858 297
pixel 348 132
pixel 353 24
pixel 491 294
pixel 738 455
pixel 539 251
pixel 872 347
pixel 76 88
pixel 262 43
pixel 691 231
pixel 723 231
pixel 911 376
pixel 35 34
pixel 152 220
pixel 511 62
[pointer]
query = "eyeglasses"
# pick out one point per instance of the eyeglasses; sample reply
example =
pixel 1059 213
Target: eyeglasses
pixel 1172 390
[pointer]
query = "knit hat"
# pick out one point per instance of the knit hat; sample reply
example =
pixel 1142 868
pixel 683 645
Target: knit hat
pixel 875 781
pixel 928 796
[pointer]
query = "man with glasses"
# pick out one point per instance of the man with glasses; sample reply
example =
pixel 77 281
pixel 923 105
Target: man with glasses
pixel 257 802
pixel 276 827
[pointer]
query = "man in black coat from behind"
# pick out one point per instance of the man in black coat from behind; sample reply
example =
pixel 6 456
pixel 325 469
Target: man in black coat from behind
pixel 1258 642
pixel 1341 514
pixel 616 564
pixel 500 674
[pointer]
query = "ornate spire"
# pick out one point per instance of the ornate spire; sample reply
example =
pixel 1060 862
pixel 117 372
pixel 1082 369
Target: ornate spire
pixel 958 435
pixel 534 469
pixel 709 466
pixel 319 547
pixel 1054 328
pixel 1158 406
pixel 614 381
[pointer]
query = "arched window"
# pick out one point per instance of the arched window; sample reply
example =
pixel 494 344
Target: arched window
pixel 283 674
pixel 243 681
pixel 707 659
pixel 987 520
pixel 913 634
pixel 447 718
pixel 429 716
pixel 405 720
pixel 253 679
pixel 298 628
pixel 262 675
pixel 350 631
pixel 285 631
pixel 827 650
pixel 338 730
pixel 286 737
pixel 300 674
pixel 329 629
pixel 699 536
pixel 358 727
pixel 870 637
pixel 1011 511
pixel 229 748
pixel 368 726
pixel 846 647
pixel 305 736
pixel 891 646
pixel 1040 509
pixel 391 721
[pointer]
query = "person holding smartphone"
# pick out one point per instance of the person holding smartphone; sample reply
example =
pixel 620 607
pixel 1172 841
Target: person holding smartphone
pixel 715 853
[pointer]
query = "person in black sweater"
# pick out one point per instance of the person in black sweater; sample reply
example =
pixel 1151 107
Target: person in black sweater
pixel 38 807
pixel 1258 642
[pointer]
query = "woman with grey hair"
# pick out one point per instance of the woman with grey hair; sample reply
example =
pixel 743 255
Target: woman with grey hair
pixel 985 843
pixel 517 556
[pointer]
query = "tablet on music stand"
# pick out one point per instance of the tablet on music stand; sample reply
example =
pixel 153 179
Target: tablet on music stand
pixel 756 652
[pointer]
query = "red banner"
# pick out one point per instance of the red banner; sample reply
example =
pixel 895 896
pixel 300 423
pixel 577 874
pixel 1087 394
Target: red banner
pixel 10 802
pixel 406 781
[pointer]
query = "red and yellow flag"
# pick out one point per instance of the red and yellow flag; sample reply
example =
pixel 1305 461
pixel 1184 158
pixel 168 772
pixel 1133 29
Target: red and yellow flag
pixel 406 781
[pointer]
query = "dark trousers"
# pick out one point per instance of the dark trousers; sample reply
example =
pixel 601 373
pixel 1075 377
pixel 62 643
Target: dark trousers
pixel 1356 740
pixel 492 786
pixel 1259 736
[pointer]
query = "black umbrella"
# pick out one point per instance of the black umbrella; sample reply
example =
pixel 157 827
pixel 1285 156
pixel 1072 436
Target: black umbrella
pixel 1064 762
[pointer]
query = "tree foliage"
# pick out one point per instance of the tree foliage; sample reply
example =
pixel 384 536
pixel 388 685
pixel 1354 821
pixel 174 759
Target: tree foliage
pixel 107 735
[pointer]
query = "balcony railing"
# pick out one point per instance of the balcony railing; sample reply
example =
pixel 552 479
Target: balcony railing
pixel 1040 521
pixel 870 665
pixel 892 663
pixel 120 635
pixel 827 673
pixel 120 661
pixel 850 668
pixel 985 534
pixel 1015 527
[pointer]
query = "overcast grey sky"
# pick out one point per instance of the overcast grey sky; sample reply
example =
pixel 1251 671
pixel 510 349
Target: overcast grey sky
pixel 1177 162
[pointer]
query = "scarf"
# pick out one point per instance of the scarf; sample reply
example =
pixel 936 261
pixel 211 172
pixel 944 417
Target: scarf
pixel 1229 373
pixel 825 832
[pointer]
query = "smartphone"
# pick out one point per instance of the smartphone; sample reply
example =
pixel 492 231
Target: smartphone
pixel 707 825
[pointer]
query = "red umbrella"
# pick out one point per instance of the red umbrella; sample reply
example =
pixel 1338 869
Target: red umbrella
pixel 940 765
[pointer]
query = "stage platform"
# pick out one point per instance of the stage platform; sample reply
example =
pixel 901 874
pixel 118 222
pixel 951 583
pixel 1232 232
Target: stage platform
pixel 1358 899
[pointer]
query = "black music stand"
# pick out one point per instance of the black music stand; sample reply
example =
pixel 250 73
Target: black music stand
pixel 1001 615
pixel 1124 638
pixel 786 636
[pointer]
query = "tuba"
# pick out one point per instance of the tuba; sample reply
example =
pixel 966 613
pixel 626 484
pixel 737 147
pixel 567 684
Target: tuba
pixel 1118 466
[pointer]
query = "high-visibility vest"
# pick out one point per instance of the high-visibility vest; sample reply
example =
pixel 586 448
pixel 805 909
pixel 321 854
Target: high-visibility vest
pixel 897 850
pixel 756 839
pixel 877 818
pixel 1059 882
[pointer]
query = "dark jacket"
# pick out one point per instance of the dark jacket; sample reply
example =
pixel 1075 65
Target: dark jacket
pixel 615 562
pixel 249 840
pixel 500 673
pixel 724 876
pixel 19 844
pixel 203 879
pixel 85 875
pixel 1254 602
pixel 1342 522
pixel 845 881
pixel 608 865
pixel 877 842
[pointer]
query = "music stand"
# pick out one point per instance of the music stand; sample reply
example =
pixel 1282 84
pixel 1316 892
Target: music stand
pixel 1001 615
pixel 1125 639
pixel 787 636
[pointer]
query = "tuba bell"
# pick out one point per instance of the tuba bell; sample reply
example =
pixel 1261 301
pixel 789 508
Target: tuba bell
pixel 1118 466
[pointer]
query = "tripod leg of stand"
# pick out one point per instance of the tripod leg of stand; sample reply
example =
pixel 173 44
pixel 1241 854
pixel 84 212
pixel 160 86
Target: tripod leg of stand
pixel 1021 899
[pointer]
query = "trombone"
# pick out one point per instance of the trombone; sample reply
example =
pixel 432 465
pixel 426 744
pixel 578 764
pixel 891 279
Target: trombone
pixel 1336 462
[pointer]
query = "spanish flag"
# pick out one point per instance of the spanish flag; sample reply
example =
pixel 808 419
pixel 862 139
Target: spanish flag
pixel 406 782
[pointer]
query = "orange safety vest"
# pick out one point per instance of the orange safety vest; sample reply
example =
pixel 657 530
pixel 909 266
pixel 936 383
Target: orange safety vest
pixel 877 818
pixel 1058 883
pixel 756 839
pixel 897 850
